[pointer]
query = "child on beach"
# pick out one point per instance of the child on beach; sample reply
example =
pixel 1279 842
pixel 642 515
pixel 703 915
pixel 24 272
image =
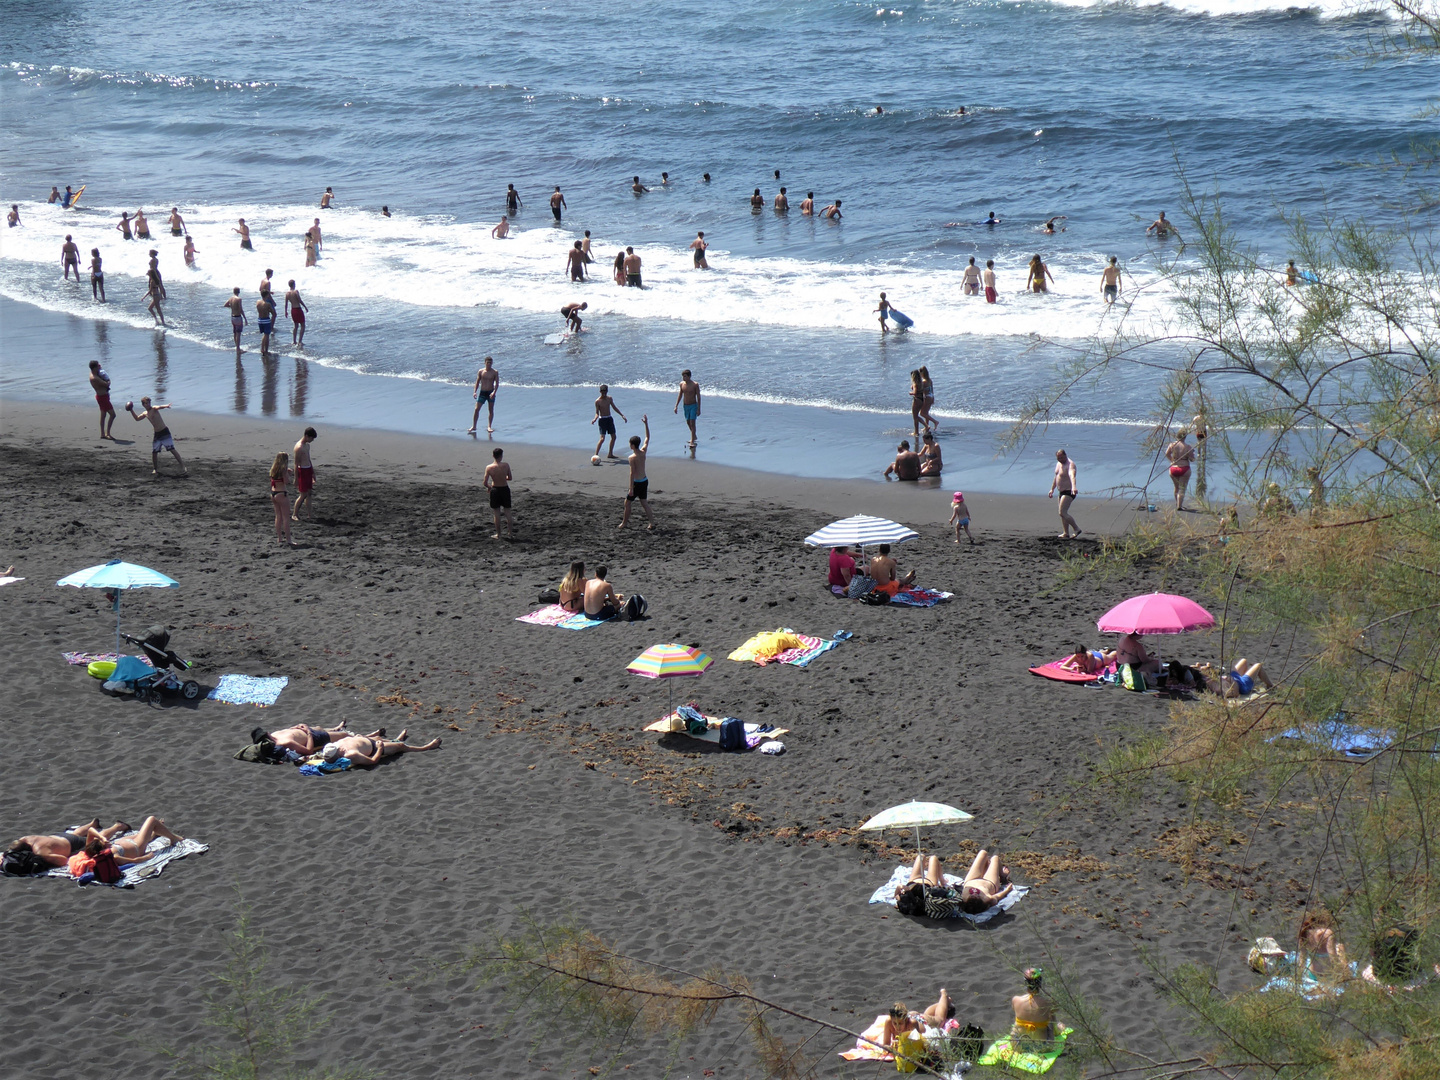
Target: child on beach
pixel 280 497
pixel 960 516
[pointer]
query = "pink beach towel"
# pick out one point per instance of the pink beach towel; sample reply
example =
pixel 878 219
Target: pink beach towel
pixel 1053 670
pixel 549 615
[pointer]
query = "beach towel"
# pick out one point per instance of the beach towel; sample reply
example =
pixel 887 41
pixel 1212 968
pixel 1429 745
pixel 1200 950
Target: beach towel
pixel 88 658
pixel 1310 986
pixel 549 615
pixel 10 580
pixel 863 1050
pixel 248 689
pixel 1004 1052
pixel 1355 742
pixel 318 766
pixel 581 621
pixel 886 894
pixel 912 597
pixel 785 646
pixel 132 874
pixel 755 734
pixel 1054 670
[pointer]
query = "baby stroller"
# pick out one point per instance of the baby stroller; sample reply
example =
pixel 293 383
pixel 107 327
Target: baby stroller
pixel 146 682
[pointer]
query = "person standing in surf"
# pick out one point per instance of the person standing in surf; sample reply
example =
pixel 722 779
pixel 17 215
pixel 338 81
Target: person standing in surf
pixel 243 230
pixel 603 404
pixel 689 396
pixel 557 202
pixel 177 223
pixel 884 310
pixel 487 384
pixel 155 290
pixel 296 308
pixel 142 226
pixel 265 321
pixel 575 262
pixel 620 268
pixel 698 246
pixel 70 257
pixel 637 188
pixel 782 202
pixel 502 230
pixel 312 234
pixel 512 199
pixel 832 211
pixel 757 202
pixel 632 269
pixel 237 316
pixel 988 279
pixel 807 204
pixel 1162 228
pixel 123 227
pixel 1038 273
pixel 190 250
pixel 1110 281
pixel 970 279
pixel 97 276
pixel 327 198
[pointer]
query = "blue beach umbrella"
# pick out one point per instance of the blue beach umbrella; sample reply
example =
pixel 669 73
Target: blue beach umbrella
pixel 861 531
pixel 117 576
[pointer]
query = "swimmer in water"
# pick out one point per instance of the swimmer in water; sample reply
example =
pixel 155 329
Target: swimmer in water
pixel 807 204
pixel 1162 228
pixel 698 246
pixel 1050 225
pixel 782 202
pixel 501 231
pixel 637 187
pixel 757 202
pixel 832 211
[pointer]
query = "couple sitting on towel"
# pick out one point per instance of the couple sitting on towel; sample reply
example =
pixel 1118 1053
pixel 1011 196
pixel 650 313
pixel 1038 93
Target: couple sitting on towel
pixel 880 574
pixel 597 598
pixel 339 742
pixel 39 854
pixel 986 883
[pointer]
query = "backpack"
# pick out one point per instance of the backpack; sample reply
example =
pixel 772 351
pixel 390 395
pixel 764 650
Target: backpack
pixel 635 608
pixel 23 864
pixel 970 1042
pixel 106 870
pixel 1132 678
pixel 732 734
pixel 875 597
pixel 550 596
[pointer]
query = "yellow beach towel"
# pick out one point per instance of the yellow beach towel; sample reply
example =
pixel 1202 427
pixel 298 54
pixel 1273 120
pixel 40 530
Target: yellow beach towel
pixel 768 643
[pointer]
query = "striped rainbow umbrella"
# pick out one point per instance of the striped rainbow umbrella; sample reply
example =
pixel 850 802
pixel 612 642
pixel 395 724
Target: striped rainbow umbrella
pixel 670 661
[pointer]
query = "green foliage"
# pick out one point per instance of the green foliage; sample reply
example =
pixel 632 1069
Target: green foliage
pixel 259 1025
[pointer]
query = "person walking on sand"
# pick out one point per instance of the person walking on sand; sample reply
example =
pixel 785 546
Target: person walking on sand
pixel 280 497
pixel 100 383
pixel 1038 273
pixel 304 475
pixel 632 269
pixel 689 396
pixel 960 517
pixel 1110 281
pixel 70 258
pixel 970 279
pixel 988 279
pixel 327 198
pixel 497 482
pixel 177 223
pixel 237 316
pixel 698 246
pixel 639 482
pixel 296 308
pixel 1067 483
pixel 161 439
pixel 244 231
pixel 603 404
pixel 1181 454
pixel 557 202
pixel 502 230
pixel 571 314
pixel 97 276
pixel 487 383
pixel 265 321
pixel 123 227
pixel 575 262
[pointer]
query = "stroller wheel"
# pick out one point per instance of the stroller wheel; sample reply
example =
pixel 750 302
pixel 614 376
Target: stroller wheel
pixel 142 692
pixel 191 689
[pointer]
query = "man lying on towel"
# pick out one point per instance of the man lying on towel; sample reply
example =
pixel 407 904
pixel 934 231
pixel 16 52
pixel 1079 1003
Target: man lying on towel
pixel 305 739
pixel 369 750
pixel 883 569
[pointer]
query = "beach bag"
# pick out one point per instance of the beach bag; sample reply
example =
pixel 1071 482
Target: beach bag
pixel 635 608
pixel 23 864
pixel 970 1042
pixel 875 598
pixel 550 596
pixel 1132 678
pixel 106 869
pixel 909 1052
pixel 732 734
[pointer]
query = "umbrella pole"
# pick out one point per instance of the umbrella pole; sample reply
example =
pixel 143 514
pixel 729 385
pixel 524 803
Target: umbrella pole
pixel 118 594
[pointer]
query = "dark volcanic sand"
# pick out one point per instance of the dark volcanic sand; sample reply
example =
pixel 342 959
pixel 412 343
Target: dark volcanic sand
pixel 399 609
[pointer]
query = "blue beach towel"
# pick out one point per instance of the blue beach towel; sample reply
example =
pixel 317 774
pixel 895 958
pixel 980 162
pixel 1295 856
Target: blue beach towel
pixel 248 689
pixel 1355 742
pixel 581 621
pixel 321 767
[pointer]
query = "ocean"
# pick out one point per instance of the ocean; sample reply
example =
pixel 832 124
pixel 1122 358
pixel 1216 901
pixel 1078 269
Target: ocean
pixel 1086 110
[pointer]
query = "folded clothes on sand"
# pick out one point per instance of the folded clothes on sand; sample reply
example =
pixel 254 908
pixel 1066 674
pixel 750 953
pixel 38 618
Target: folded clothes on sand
pixel 677 723
pixel 318 766
pixel 248 689
pixel 886 894
pixel 555 615
pixel 1005 1052
pixel 131 874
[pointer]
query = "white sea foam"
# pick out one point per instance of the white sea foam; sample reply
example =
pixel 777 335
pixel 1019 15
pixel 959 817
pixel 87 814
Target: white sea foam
pixel 1329 9
pixel 435 261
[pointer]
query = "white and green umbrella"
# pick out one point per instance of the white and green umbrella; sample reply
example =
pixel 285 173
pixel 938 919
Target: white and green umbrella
pixel 914 815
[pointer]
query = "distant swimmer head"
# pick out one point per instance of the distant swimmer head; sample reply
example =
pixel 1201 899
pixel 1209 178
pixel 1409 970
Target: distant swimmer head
pixel 992 216
pixel 706 178
pixel 879 110
pixel 385 210
pixel 777 175
pixel 665 177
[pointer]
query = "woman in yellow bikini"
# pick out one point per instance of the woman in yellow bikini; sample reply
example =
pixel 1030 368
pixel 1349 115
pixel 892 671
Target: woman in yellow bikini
pixel 1034 1015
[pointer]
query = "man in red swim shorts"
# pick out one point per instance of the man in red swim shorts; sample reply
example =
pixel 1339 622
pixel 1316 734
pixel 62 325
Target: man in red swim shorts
pixel 296 308
pixel 100 383
pixel 304 474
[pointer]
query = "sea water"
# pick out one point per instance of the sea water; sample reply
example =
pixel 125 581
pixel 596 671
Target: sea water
pixel 1077 109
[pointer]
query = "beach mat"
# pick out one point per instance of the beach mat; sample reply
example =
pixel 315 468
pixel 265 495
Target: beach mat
pixel 886 895
pixel 248 689
pixel 88 658
pixel 674 724
pixel 1352 740
pixel 808 649
pixel 1054 671
pixel 1003 1052
pixel 920 597
pixel 133 874
pixel 555 615
pixel 864 1050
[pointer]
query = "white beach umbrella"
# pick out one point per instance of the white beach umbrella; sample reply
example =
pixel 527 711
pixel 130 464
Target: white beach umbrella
pixel 913 815
pixel 861 531
pixel 116 576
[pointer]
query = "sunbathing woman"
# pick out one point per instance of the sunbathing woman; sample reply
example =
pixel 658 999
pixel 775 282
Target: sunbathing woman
pixel 1319 937
pixel 1239 681
pixel 367 750
pixel 899 1023
pixel 572 588
pixel 131 849
pixel 1088 662
pixel 987 882
pixel 1034 1014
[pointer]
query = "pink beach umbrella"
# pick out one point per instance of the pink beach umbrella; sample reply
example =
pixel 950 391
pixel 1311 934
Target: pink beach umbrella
pixel 1155 613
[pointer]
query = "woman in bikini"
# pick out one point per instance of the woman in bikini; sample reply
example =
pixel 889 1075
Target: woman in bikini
pixel 131 849
pixel 280 497
pixel 572 588
pixel 620 268
pixel 1038 273
pixel 927 392
pixel 917 400
pixel 987 882
pixel 365 750
pixel 930 463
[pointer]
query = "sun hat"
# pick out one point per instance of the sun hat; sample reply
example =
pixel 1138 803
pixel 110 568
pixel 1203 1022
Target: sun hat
pixel 331 752
pixel 958 497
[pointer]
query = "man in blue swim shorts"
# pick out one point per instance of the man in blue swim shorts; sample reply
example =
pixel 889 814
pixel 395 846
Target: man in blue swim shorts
pixel 689 396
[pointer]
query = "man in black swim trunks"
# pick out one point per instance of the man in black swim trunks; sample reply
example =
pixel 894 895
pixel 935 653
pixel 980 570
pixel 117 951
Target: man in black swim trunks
pixel 557 201
pixel 1067 482
pixel 497 482
pixel 305 738
pixel 512 198
pixel 571 315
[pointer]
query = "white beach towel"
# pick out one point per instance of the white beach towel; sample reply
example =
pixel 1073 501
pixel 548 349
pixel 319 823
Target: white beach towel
pixel 886 894
pixel 132 874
